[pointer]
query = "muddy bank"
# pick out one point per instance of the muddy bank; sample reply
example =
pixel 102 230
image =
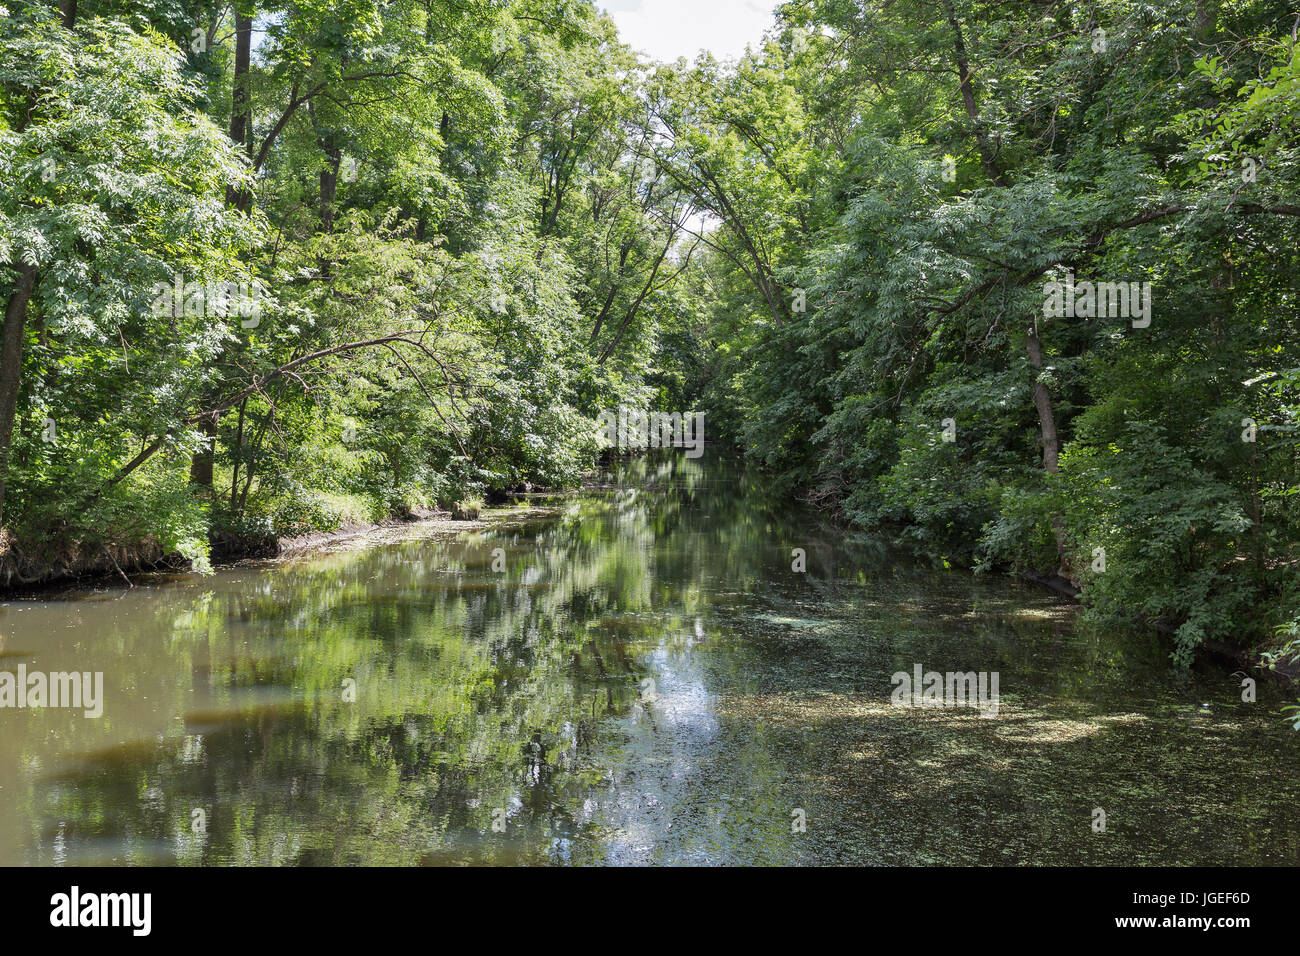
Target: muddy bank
pixel 74 565
pixel 228 547
pixel 53 564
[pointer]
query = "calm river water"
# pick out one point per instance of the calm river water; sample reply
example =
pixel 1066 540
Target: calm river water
pixel 646 681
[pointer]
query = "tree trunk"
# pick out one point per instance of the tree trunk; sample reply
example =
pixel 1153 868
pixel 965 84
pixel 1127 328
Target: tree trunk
pixel 240 103
pixel 11 366
pixel 202 462
pixel 201 465
pixel 1043 402
pixel 69 10
pixel 1051 444
pixel 1207 19
pixel 237 454
pixel 329 184
pixel 604 311
pixel 987 157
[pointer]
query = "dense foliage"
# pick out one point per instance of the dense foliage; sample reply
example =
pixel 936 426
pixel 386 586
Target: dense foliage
pixel 296 265
pixel 466 227
pixel 897 188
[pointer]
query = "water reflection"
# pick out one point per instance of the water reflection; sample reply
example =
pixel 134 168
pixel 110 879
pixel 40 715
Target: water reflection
pixel 646 682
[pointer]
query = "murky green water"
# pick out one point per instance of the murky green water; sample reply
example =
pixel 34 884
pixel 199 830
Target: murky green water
pixel 647 681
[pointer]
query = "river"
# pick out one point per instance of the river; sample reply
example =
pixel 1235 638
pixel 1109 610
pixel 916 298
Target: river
pixel 629 675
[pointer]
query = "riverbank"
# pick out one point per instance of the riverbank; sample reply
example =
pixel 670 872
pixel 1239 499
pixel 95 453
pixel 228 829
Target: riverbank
pixel 70 562
pixel 22 576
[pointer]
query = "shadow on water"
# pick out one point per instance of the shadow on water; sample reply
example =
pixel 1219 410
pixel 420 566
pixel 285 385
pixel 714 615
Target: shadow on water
pixel 646 681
